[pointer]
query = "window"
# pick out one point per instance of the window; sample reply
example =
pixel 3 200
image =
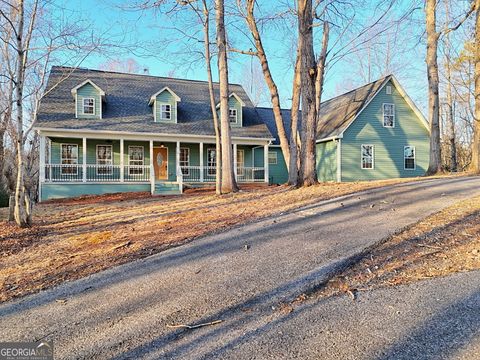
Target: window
pixel 367 156
pixel 165 111
pixel 240 162
pixel 211 161
pixel 69 156
pixel 135 160
pixel 88 106
pixel 272 158
pixel 409 157
pixel 232 115
pixel 104 159
pixel 185 160
pixel 389 115
pixel 389 90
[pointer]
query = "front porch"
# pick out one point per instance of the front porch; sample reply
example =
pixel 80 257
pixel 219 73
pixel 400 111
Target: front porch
pixel 72 166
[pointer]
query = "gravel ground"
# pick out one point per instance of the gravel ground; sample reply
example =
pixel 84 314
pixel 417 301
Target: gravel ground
pixel 239 276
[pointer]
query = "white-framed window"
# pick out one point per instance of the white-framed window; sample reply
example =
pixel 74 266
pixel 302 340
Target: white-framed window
pixel 88 107
pixel 104 159
pixel 240 162
pixel 136 159
pixel 389 90
pixel 389 115
pixel 368 154
pixel 185 160
pixel 211 161
pixel 272 158
pixel 165 112
pixel 232 115
pixel 409 158
pixel 69 156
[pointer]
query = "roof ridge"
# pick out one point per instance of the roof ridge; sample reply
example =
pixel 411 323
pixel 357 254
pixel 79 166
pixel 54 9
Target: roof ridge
pixel 134 74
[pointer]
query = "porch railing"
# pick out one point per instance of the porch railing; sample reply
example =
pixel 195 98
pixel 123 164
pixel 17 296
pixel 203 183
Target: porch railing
pixel 191 174
pixel 96 173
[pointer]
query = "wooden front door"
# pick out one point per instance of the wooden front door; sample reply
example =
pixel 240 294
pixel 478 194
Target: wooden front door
pixel 160 163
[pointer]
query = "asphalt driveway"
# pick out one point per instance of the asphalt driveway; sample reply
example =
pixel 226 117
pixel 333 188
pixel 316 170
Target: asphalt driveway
pixel 238 276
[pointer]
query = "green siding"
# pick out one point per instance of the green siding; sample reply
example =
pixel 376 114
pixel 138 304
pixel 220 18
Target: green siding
pixel 327 161
pixel 234 103
pixel 166 97
pixel 388 142
pixel 278 173
pixel 55 155
pixel 88 91
pixel 57 191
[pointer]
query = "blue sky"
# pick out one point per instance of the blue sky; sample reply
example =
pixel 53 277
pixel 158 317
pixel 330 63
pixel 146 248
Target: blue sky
pixel 164 60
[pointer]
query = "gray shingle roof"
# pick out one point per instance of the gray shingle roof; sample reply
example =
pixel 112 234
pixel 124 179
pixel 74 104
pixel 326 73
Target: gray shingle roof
pixel 336 114
pixel 126 107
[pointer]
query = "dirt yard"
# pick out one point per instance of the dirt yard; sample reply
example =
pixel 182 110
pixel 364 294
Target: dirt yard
pixel 444 243
pixel 77 237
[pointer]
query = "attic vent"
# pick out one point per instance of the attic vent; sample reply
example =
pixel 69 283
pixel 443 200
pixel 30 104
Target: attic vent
pixel 389 90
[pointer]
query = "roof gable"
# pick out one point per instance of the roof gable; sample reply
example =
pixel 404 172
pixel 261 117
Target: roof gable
pixel 242 103
pixel 88 81
pixel 166 88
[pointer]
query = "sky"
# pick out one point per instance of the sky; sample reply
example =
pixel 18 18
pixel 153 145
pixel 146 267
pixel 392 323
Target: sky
pixel 164 52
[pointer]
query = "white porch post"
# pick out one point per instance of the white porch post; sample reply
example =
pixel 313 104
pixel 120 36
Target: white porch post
pixel 122 161
pixel 235 170
pixel 42 166
pixel 177 157
pixel 265 163
pixel 84 159
pixel 201 162
pixel 152 172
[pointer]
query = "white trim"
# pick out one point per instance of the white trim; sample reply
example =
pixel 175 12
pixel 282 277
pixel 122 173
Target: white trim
pixel 236 115
pixel 122 160
pixel 276 157
pixel 265 164
pixel 361 157
pixel 339 160
pixel 236 97
pixel 201 162
pixel 152 169
pixel 84 159
pixel 74 90
pixel 97 134
pixel 98 167
pixel 414 158
pixel 168 163
pixel 383 115
pixel 162 118
pixel 143 158
pixel 324 139
pixel 61 159
pixel 402 92
pixel 83 106
pixel 210 149
pixel 154 96
pixel 188 157
pixel 388 90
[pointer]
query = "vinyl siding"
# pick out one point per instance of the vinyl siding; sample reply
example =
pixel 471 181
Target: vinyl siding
pixel 278 173
pixel 56 191
pixel 234 103
pixel 327 161
pixel 88 91
pixel 388 142
pixel 166 98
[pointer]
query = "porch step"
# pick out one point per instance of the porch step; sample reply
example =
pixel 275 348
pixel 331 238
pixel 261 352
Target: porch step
pixel 167 188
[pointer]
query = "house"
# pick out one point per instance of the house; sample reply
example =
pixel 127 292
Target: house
pixel 370 133
pixel 106 132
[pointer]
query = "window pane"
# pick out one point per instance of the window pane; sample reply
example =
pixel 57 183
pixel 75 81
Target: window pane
pixel 232 115
pixel 166 112
pixel 88 106
pixel 388 115
pixel 367 157
pixel 409 157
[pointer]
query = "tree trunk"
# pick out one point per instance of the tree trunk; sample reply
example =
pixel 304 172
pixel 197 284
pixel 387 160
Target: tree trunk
pixel 272 87
pixel 476 129
pixel 20 212
pixel 11 208
pixel 451 121
pixel 294 143
pixel 307 173
pixel 213 103
pixel 433 80
pixel 229 183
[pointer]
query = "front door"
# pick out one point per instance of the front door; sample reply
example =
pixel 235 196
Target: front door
pixel 160 163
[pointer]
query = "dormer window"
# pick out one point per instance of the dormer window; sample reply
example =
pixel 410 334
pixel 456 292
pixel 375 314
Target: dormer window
pixel 88 106
pixel 165 112
pixel 232 115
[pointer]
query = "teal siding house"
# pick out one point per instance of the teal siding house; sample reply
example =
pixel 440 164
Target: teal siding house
pixel 106 132
pixel 370 133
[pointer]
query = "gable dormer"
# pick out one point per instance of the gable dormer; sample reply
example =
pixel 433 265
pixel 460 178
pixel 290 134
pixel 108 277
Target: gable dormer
pixel 88 100
pixel 235 110
pixel 165 105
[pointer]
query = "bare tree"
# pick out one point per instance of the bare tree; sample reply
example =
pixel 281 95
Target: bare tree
pixel 476 131
pixel 229 183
